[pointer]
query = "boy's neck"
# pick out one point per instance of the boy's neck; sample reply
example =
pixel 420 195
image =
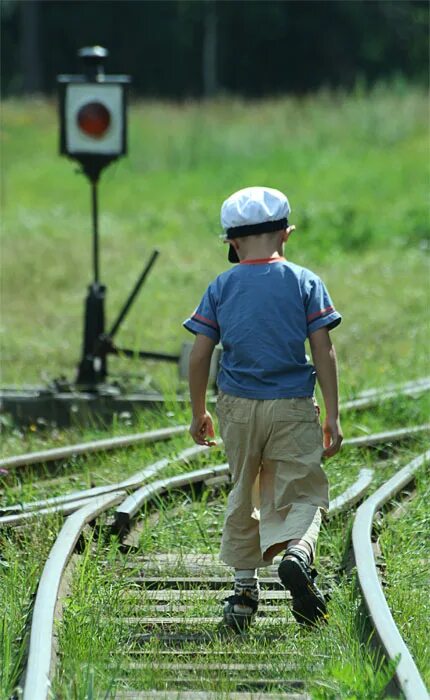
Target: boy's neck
pixel 260 253
pixel 263 247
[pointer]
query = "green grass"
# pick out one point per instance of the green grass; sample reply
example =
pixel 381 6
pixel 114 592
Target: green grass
pixel 406 550
pixel 78 473
pixel 355 168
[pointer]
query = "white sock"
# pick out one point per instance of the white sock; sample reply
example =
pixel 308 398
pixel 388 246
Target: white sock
pixel 247 580
pixel 302 548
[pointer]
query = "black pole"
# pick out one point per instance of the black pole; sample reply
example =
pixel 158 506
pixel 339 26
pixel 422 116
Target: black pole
pixel 92 368
pixel 95 216
pixel 122 314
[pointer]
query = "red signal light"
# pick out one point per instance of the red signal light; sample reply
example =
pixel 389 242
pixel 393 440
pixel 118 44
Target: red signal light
pixel 94 119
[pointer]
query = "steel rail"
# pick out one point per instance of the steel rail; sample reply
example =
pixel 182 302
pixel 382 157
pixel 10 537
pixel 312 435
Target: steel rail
pixel 407 674
pixel 37 677
pixel 399 386
pixel 372 397
pixel 132 482
pixel 352 494
pixel 63 508
pixel 133 503
pixel 127 510
pixel 388 436
pixel 61 453
pixel 135 480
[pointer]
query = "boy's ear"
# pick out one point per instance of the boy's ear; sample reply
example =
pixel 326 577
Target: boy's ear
pixel 232 242
pixel 287 233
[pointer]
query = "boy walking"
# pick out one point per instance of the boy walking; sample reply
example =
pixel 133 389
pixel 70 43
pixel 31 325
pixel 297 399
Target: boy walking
pixel 262 311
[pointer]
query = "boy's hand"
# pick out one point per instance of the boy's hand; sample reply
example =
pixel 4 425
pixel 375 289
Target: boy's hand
pixel 332 437
pixel 200 427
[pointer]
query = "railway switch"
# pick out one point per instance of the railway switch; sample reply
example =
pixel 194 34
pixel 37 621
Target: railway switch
pixel 93 132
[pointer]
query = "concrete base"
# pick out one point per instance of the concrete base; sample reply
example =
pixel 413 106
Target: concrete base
pixel 45 407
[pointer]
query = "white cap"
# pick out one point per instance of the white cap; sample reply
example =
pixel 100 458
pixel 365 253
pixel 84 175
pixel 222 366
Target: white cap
pixel 254 205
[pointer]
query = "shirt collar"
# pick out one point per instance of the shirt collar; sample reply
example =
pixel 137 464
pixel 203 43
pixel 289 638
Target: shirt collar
pixel 258 261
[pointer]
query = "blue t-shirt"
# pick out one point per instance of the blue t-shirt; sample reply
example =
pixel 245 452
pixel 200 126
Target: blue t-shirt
pixel 262 312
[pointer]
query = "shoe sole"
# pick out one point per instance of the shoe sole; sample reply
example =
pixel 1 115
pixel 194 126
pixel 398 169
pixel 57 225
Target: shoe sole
pixel 308 602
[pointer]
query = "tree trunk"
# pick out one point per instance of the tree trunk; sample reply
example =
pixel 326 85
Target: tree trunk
pixel 29 47
pixel 210 83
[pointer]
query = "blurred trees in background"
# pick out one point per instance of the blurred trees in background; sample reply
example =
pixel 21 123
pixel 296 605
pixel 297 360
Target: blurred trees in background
pixel 192 48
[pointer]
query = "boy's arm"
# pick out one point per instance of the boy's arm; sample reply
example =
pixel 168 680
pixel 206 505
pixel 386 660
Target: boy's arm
pixel 200 360
pixel 324 358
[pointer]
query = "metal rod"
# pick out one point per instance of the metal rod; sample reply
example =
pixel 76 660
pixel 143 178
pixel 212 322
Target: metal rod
pixel 95 216
pixel 68 451
pixel 125 309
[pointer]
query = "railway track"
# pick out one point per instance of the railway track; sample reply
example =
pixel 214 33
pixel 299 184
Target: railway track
pixel 171 624
pixel 169 599
pixel 164 629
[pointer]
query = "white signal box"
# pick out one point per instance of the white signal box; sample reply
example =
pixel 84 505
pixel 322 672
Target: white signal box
pixel 93 113
pixel 94 119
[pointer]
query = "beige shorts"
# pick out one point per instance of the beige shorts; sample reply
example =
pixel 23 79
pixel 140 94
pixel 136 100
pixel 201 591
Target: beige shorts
pixel 274 450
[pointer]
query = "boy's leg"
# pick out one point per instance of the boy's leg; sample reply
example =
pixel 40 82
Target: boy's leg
pixel 293 486
pixel 239 428
pixel 301 544
pixel 295 572
pixel 240 544
pixel 293 491
pixel 306 542
pixel 240 607
pixel 284 521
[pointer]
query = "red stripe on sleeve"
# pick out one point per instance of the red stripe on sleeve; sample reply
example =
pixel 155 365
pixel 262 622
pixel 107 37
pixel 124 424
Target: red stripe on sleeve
pixel 311 317
pixel 207 320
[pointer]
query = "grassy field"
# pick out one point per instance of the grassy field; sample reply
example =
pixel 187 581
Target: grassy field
pixel 355 168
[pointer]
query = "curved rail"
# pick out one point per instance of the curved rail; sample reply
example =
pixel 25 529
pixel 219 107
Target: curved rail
pixel 20 512
pixel 37 681
pixel 407 674
pixel 128 509
pixel 352 494
pixel 63 508
pixel 60 453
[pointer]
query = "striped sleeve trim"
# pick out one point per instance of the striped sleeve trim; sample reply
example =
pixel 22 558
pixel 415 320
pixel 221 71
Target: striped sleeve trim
pixel 319 314
pixel 206 321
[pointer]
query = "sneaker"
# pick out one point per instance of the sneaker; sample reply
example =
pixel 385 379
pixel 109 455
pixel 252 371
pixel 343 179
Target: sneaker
pixel 241 607
pixel 297 576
